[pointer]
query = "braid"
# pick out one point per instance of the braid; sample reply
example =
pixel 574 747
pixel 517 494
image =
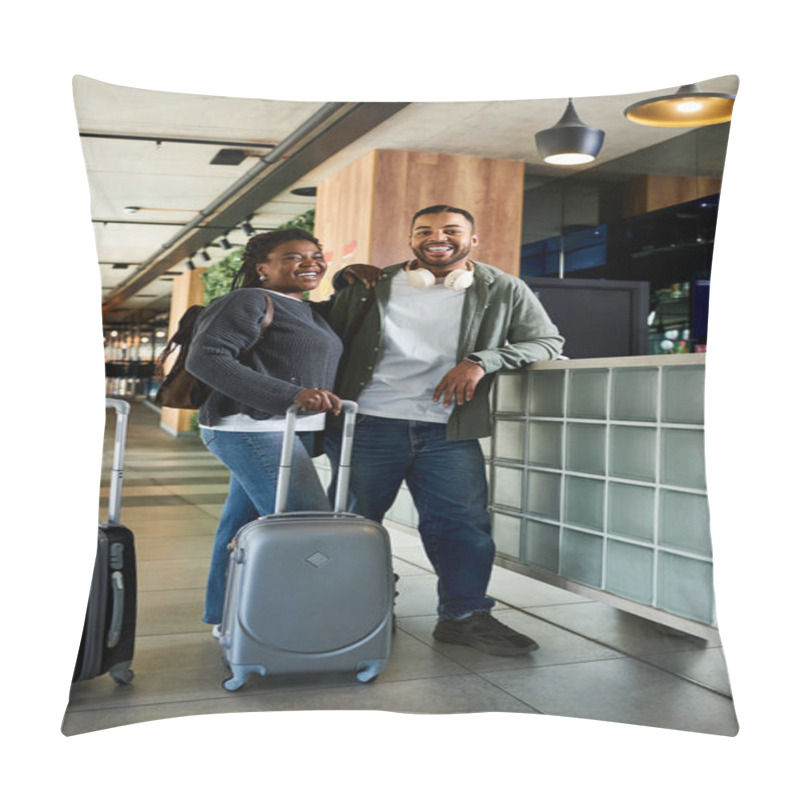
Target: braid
pixel 259 247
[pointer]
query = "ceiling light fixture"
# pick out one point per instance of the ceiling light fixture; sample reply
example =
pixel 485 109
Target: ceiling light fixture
pixel 226 245
pixel 189 262
pixel 248 228
pixel 569 142
pixel 305 191
pixel 205 256
pixel 229 157
pixel 687 108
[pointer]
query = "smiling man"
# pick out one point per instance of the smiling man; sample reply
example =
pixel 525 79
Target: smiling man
pixel 442 241
pixel 420 366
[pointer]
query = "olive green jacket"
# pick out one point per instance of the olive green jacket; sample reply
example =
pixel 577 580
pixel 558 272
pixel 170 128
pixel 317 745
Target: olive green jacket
pixel 503 324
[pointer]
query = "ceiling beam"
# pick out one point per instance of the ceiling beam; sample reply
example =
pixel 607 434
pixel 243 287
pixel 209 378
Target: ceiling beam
pixel 332 128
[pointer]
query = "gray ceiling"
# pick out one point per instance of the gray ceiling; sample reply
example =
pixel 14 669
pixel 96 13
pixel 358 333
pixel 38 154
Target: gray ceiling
pixel 152 150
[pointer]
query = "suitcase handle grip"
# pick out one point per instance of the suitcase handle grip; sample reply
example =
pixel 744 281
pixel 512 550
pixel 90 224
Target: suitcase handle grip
pixel 118 609
pixel 349 408
pixel 314 515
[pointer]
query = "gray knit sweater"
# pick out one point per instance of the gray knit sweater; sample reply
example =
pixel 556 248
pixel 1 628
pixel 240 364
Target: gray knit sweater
pixel 298 351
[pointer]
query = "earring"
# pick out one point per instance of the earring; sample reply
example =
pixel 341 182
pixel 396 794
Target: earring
pixel 262 278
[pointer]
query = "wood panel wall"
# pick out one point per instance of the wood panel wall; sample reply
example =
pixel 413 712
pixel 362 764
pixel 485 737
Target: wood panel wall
pixel 652 192
pixel 343 223
pixel 371 202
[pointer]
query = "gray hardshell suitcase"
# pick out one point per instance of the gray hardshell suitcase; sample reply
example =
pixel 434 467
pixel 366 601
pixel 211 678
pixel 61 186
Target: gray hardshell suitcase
pixel 309 592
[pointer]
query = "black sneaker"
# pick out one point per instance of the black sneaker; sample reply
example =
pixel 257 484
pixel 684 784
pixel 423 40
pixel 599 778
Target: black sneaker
pixel 483 632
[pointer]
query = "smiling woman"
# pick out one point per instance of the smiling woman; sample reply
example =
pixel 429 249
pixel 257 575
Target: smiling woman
pixel 293 268
pixel 293 362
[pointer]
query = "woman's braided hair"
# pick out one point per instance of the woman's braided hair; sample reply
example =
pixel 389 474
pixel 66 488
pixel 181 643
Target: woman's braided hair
pixel 259 247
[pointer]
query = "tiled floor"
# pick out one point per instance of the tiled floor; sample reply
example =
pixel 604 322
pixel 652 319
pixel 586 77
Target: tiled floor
pixel 594 662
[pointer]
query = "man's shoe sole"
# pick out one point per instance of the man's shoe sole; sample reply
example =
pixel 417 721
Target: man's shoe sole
pixel 492 650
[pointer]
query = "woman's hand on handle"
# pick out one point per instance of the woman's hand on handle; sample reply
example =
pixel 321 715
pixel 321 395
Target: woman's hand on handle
pixel 318 400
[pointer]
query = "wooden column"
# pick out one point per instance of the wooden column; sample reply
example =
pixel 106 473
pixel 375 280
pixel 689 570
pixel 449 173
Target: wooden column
pixel 187 290
pixel 364 211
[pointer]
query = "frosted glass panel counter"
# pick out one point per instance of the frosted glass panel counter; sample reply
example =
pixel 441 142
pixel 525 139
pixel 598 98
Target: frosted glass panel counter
pixel 597 475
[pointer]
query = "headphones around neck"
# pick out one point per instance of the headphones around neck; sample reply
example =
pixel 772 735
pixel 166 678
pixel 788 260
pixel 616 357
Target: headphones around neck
pixel 421 278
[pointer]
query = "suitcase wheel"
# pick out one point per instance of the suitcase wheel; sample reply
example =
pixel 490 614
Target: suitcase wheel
pixel 241 674
pixel 369 670
pixel 122 673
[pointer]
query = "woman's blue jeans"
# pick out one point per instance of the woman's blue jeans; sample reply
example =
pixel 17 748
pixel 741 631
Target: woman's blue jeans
pixel 447 481
pixel 253 460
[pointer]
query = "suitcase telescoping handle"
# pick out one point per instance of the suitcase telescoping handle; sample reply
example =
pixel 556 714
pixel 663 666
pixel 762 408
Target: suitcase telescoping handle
pixel 349 409
pixel 123 409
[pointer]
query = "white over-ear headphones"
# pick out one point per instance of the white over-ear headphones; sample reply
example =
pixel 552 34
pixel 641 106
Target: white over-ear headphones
pixel 421 278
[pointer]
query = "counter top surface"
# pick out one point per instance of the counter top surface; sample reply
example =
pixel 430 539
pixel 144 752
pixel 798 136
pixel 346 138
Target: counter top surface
pixel 677 360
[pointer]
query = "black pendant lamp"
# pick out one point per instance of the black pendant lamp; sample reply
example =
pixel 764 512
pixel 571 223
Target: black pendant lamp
pixel 687 108
pixel 569 142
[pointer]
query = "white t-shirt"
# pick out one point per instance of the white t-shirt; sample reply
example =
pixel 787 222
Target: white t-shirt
pixel 242 423
pixel 420 344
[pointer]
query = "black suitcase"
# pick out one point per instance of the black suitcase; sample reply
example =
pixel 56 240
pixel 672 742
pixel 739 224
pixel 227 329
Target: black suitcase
pixel 110 624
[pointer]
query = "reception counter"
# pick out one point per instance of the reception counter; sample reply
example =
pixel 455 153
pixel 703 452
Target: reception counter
pixel 597 476
pixel 596 470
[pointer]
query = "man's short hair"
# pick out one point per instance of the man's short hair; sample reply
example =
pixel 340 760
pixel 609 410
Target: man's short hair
pixel 442 208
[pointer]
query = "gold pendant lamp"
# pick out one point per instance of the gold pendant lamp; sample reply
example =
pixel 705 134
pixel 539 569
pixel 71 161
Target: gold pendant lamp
pixel 687 108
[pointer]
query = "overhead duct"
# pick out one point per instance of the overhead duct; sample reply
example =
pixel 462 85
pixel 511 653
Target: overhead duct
pixel 333 127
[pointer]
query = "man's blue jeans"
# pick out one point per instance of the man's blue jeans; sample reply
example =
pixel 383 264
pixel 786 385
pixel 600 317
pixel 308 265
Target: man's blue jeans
pixel 253 460
pixel 447 481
